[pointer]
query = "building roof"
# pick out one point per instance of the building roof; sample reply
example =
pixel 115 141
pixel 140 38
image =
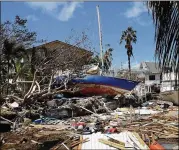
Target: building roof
pixel 153 67
pixel 150 66
pixel 55 44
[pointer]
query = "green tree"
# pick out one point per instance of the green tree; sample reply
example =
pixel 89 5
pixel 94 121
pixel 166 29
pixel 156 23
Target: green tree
pixel 107 59
pixel 12 53
pixel 15 38
pixel 129 36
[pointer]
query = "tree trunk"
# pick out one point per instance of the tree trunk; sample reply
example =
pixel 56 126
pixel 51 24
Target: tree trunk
pixel 49 86
pixel 7 76
pixel 129 65
pixel 1 75
pixel 33 61
pixel 32 85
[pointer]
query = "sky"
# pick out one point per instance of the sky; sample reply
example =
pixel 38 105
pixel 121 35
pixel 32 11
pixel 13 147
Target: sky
pixel 55 20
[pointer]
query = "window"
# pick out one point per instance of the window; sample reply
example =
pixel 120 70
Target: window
pixel 152 77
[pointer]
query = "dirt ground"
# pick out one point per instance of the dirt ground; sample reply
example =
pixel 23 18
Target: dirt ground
pixel 31 138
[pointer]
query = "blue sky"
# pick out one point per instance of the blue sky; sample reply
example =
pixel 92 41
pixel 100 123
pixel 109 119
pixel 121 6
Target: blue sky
pixel 54 21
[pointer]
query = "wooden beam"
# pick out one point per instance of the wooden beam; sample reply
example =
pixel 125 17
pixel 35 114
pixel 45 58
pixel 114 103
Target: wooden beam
pixel 112 144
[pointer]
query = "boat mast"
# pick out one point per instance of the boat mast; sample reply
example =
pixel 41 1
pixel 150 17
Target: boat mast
pixel 100 37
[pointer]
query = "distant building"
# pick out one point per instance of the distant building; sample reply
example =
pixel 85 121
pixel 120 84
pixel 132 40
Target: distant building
pixel 151 72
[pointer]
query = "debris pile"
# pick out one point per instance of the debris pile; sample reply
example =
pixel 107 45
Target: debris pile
pixel 63 119
pixel 141 127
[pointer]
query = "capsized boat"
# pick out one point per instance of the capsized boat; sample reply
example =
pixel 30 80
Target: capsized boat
pixel 103 85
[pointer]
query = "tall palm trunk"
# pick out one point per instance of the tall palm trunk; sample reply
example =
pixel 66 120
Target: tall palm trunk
pixel 129 65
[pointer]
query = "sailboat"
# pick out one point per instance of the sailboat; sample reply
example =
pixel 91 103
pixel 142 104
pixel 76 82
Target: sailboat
pixel 103 85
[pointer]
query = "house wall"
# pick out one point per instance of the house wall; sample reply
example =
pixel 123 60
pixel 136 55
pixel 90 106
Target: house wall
pixel 149 82
pixel 168 76
pixel 168 82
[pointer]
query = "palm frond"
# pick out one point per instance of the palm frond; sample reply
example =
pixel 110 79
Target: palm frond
pixel 166 19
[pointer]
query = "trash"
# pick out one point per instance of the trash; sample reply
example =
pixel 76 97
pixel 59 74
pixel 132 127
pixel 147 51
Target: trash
pixel 5 126
pixel 112 130
pixel 175 147
pixel 58 96
pixel 87 130
pixel 27 121
pixel 66 119
pixel 80 127
pixel 14 105
pixel 156 146
pixel 52 103
pixel 39 121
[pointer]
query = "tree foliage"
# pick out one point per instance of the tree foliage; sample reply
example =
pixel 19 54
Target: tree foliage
pixel 107 59
pixel 15 38
pixel 17 32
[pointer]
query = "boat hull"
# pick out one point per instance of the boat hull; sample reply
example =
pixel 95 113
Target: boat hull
pixel 171 96
pixel 101 85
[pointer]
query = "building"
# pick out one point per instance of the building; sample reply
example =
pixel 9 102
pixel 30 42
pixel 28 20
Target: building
pixel 169 80
pixel 63 55
pixel 151 72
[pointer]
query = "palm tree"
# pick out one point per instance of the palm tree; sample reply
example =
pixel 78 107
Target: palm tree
pixel 11 53
pixel 129 36
pixel 166 19
pixel 107 58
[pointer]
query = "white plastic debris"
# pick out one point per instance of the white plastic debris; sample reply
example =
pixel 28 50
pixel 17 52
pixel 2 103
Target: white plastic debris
pixel 14 105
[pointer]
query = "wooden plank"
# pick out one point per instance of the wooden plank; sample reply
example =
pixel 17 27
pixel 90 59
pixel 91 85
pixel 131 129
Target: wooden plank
pixel 112 144
pixel 74 144
pixel 115 141
pixel 148 139
pixel 140 140
pixel 168 136
pixel 80 145
pixel 153 131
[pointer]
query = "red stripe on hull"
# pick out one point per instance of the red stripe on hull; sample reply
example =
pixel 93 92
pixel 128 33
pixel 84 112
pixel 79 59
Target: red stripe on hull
pixel 98 91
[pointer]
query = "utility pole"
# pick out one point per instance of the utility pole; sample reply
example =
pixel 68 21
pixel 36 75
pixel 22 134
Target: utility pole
pixel 100 37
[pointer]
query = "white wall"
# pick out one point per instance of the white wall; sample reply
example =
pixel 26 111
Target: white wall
pixel 149 82
pixel 142 89
pixel 168 81
pixel 168 76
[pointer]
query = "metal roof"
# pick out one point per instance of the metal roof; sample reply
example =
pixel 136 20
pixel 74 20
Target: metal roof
pixel 153 67
pixel 150 67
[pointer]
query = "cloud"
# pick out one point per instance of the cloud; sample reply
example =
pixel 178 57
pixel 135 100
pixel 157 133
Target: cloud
pixel 62 11
pixel 136 10
pixel 136 14
pixel 32 17
pixel 68 10
pixel 142 22
pixel 134 65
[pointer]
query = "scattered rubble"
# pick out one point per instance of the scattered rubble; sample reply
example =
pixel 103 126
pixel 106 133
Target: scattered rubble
pixel 63 119
pixel 74 120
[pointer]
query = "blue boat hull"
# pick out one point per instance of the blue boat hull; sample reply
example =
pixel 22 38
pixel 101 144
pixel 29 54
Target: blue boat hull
pixel 99 85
